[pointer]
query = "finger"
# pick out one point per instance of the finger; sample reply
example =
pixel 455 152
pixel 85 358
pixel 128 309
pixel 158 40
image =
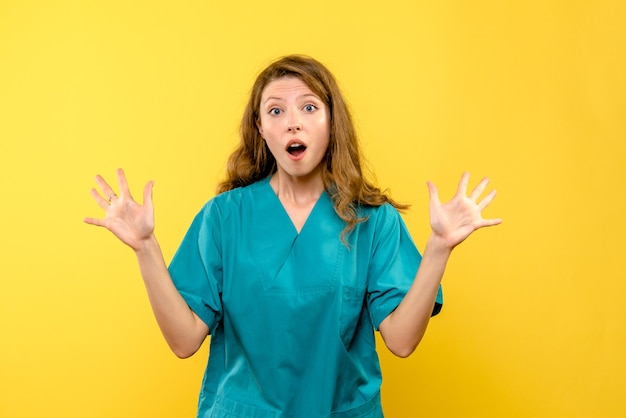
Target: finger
pixel 462 189
pixel 121 180
pixel 490 222
pixel 107 191
pixel 487 200
pixel 147 193
pixel 103 203
pixel 479 189
pixel 93 221
pixel 433 192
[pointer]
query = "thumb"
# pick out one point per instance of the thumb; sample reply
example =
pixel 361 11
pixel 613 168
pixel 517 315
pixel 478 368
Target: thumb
pixel 147 192
pixel 433 192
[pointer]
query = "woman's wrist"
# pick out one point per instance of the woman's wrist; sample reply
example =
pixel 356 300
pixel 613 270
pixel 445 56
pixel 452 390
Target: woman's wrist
pixel 146 245
pixel 437 246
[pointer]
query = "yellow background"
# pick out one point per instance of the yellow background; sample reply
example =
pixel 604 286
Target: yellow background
pixel 532 94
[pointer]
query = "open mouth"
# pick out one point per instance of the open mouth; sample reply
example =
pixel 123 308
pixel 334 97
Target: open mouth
pixel 296 149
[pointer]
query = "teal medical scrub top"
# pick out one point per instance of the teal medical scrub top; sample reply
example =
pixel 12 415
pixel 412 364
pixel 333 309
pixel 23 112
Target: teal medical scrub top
pixel 292 315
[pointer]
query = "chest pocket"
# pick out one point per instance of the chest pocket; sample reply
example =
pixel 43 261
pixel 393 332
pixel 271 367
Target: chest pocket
pixel 354 312
pixel 352 308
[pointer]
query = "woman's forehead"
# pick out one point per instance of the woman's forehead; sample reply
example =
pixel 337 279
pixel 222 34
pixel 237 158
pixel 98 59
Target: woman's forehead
pixel 286 86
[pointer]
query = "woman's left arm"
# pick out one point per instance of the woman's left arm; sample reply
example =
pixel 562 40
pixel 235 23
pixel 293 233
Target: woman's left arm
pixel 451 224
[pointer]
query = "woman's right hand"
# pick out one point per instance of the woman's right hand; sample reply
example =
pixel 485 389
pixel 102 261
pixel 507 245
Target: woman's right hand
pixel 129 221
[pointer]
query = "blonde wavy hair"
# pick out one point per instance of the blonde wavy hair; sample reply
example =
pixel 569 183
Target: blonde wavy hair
pixel 342 172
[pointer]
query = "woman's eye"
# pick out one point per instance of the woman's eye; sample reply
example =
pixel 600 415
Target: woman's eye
pixel 275 111
pixel 310 108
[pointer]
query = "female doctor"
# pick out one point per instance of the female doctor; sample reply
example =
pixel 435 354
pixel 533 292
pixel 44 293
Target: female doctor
pixel 296 262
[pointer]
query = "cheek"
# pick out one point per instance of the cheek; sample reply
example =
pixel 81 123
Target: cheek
pixel 265 128
pixel 323 123
pixel 325 128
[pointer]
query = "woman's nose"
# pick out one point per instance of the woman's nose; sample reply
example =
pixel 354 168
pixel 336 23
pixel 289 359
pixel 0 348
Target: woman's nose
pixel 294 127
pixel 293 123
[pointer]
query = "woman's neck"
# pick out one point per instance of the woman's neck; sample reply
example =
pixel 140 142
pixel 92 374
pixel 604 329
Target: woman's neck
pixel 297 190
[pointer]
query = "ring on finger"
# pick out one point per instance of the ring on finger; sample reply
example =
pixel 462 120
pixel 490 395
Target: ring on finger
pixel 111 197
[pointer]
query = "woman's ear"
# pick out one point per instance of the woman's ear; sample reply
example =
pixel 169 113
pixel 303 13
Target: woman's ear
pixel 260 128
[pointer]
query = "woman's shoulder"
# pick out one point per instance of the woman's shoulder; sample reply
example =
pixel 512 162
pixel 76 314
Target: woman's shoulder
pixel 379 220
pixel 385 210
pixel 235 197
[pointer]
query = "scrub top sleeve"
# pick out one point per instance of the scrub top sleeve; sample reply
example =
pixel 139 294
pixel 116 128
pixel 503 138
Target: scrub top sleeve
pixel 393 266
pixel 196 268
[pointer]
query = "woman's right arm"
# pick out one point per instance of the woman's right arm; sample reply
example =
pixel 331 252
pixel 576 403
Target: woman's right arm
pixel 133 224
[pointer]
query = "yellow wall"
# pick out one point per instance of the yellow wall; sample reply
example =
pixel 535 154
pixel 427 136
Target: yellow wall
pixel 531 94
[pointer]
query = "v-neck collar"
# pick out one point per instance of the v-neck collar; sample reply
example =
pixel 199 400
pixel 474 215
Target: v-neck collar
pixel 321 200
pixel 289 261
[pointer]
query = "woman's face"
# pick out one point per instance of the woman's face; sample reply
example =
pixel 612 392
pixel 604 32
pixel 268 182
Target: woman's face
pixel 295 124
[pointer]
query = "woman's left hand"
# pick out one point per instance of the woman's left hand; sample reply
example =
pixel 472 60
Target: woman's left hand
pixel 455 220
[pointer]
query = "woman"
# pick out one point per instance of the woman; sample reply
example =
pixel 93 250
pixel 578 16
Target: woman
pixel 296 261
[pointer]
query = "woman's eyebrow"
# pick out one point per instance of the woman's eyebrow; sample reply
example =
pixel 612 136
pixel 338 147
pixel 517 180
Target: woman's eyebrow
pixel 299 97
pixel 309 95
pixel 273 98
